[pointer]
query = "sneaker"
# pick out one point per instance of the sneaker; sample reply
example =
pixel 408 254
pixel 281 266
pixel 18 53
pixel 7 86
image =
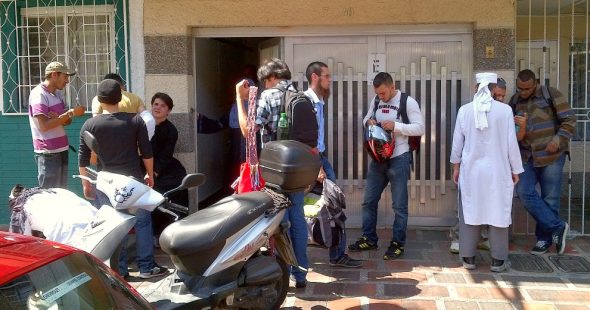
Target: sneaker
pixel 301 284
pixel 499 265
pixel 559 238
pixel 454 247
pixel 346 261
pixel 155 272
pixel 393 251
pixel 468 262
pixel 363 244
pixel 484 245
pixel 130 278
pixel 541 247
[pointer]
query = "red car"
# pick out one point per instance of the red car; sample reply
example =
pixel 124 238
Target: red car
pixel 40 274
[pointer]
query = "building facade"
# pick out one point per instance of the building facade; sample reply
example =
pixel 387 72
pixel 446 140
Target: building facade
pixel 196 51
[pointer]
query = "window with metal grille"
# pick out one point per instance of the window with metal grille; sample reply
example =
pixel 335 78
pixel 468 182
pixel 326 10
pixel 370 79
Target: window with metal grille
pixel 87 36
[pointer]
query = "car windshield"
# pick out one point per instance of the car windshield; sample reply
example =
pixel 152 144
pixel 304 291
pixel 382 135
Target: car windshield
pixel 73 282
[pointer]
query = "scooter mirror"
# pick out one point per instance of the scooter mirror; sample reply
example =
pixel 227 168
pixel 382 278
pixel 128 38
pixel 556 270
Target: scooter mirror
pixel 90 141
pixel 193 180
pixel 189 181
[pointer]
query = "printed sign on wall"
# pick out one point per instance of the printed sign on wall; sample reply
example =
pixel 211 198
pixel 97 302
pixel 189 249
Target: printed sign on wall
pixel 376 64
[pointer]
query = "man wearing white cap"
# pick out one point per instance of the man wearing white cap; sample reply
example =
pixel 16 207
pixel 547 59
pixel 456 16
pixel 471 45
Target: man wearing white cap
pixel 486 163
pixel 47 117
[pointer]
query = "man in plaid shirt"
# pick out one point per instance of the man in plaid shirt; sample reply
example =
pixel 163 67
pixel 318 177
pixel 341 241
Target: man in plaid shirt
pixel 549 124
pixel 275 76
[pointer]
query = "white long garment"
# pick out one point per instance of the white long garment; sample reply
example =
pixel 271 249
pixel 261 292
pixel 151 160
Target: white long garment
pixel 488 159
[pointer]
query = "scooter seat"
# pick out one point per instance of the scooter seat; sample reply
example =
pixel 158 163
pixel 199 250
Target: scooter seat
pixel 195 241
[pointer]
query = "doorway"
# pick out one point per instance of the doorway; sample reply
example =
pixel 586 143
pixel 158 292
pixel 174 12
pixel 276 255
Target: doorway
pixel 219 64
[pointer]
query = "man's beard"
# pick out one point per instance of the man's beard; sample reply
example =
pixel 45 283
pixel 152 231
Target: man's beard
pixel 325 94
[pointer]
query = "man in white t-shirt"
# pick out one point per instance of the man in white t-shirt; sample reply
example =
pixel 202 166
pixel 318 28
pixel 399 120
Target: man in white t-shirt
pixel 394 170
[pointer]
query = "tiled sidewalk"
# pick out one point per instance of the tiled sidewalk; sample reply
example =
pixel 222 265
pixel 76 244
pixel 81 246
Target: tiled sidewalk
pixel 429 277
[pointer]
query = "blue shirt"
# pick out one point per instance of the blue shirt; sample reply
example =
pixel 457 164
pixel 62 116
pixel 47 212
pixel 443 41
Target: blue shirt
pixel 319 114
pixel 233 115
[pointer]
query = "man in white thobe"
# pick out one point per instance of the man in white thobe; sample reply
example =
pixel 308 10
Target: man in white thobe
pixel 486 163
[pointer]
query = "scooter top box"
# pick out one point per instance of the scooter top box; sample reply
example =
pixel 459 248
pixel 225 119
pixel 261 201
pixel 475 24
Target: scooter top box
pixel 288 165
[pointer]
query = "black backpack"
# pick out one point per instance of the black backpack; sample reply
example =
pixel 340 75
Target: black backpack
pixel 297 106
pixel 413 141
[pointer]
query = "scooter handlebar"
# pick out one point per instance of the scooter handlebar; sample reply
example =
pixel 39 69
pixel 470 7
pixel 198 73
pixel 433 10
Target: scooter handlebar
pixel 175 207
pixel 83 177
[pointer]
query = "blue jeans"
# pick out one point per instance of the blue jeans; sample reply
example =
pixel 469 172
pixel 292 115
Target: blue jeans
pixel 395 171
pixel 544 208
pixel 338 250
pixel 298 234
pixel 144 242
pixel 52 169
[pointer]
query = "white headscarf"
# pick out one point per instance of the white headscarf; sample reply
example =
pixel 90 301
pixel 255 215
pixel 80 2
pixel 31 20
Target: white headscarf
pixel 482 101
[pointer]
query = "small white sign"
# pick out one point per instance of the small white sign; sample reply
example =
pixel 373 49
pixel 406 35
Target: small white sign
pixel 376 64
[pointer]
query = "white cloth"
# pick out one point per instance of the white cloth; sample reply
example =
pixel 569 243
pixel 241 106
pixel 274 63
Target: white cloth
pixel 488 158
pixel 150 122
pixel 483 98
pixel 60 215
pixel 387 111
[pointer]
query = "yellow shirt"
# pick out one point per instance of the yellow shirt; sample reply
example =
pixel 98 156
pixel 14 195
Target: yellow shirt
pixel 129 103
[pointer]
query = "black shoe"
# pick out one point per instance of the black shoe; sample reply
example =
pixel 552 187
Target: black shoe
pixel 346 261
pixel 560 238
pixel 499 265
pixel 468 262
pixel 395 250
pixel 130 278
pixel 363 244
pixel 154 272
pixel 541 247
pixel 301 284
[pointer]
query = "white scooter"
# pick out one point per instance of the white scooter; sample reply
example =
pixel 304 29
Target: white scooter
pixel 233 254
pixel 112 223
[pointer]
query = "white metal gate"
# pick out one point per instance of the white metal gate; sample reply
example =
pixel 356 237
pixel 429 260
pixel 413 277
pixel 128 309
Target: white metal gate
pixel 556 47
pixel 434 69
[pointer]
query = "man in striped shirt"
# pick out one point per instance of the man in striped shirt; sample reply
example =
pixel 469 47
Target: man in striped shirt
pixel 47 117
pixel 550 124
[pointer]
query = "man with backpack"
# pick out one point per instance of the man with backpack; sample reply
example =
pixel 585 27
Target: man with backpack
pixel 319 79
pixel 550 124
pixel 281 96
pixel 400 115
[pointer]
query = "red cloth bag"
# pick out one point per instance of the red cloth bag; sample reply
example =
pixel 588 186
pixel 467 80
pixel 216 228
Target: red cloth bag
pixel 250 178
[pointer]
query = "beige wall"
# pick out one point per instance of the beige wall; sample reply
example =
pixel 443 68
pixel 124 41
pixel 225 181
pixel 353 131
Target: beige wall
pixel 176 17
pixel 168 32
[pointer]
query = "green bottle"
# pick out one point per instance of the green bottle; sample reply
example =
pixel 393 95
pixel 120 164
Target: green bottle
pixel 283 130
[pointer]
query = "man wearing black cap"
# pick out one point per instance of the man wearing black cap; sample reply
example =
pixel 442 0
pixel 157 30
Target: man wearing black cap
pixel 130 132
pixel 47 117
